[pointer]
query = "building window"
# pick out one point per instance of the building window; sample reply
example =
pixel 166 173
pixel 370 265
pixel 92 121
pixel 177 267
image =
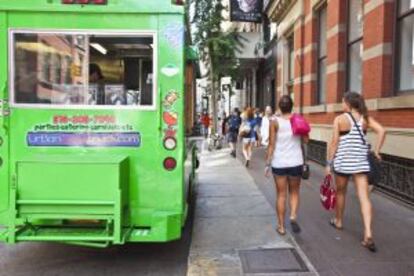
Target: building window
pixel 406 46
pixel 322 42
pixel 291 65
pixel 355 46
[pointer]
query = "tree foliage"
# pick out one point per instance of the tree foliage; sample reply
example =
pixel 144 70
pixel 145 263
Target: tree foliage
pixel 217 48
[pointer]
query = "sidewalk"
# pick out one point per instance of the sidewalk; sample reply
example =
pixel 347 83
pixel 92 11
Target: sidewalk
pixel 339 252
pixel 234 225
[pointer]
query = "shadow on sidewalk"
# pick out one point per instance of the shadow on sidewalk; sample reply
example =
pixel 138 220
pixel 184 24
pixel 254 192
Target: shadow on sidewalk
pixel 339 252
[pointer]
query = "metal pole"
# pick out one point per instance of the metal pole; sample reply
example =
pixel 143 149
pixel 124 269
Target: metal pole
pixel 230 87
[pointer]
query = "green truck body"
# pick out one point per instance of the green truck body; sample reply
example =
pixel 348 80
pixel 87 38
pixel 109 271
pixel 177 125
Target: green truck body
pixel 83 173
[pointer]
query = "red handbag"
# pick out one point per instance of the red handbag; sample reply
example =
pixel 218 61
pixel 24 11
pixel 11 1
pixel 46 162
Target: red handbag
pixel 328 194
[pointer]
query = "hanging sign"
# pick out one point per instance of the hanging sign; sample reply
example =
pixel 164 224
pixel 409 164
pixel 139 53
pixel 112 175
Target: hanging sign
pixel 246 10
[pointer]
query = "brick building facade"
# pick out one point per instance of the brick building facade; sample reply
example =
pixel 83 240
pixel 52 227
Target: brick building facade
pixel 325 48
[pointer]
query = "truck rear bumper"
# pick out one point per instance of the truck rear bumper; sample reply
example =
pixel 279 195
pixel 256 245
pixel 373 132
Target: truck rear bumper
pixel 165 226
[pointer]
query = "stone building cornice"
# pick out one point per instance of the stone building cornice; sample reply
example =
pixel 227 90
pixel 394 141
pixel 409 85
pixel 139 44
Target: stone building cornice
pixel 277 9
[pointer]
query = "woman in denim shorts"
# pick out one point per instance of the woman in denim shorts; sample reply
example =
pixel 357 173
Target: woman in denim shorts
pixel 285 161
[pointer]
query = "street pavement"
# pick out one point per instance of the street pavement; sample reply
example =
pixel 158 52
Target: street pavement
pixel 233 213
pixel 339 252
pixel 231 216
pixel 41 259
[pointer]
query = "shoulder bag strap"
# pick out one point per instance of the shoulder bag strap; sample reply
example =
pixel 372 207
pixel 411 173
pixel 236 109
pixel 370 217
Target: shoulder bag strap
pixel 359 130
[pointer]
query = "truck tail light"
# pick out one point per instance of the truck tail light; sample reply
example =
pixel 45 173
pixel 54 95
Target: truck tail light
pixel 170 143
pixel 99 2
pixel 178 2
pixel 85 2
pixel 170 163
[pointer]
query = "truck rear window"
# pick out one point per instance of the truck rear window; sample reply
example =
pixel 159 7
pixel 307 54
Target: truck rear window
pixel 83 69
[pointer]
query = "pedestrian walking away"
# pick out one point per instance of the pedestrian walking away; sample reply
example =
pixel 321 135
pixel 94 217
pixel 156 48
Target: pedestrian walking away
pixel 224 128
pixel 205 121
pixel 233 125
pixel 348 157
pixel 259 118
pixel 248 134
pixel 285 161
pixel 264 130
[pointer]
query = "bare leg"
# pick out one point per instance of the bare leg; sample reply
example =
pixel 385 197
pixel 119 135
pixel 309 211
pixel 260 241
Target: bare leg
pixel 281 194
pixel 205 132
pixel 294 191
pixel 233 143
pixel 246 151
pixel 341 188
pixel 249 150
pixel 361 184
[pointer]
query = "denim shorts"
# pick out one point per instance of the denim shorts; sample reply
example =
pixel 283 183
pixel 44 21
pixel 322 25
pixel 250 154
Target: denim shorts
pixel 290 171
pixel 248 141
pixel 232 137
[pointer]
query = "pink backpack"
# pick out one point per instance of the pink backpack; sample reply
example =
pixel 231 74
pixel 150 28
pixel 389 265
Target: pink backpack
pixel 328 194
pixel 299 125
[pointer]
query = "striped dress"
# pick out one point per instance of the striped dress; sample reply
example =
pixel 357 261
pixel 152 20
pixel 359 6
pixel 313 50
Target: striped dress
pixel 352 155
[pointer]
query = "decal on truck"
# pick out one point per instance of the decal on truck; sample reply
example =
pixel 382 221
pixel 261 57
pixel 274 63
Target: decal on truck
pixel 73 139
pixel 83 131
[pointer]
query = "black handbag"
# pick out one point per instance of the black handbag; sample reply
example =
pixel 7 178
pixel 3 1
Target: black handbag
pixel 305 172
pixel 374 175
pixel 305 168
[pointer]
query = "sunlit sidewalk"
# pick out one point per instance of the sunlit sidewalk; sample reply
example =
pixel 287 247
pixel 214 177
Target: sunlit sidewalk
pixel 234 226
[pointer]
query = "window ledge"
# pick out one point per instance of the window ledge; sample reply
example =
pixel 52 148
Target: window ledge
pixel 322 108
pixel 390 130
pixel 314 109
pixel 337 107
pixel 398 102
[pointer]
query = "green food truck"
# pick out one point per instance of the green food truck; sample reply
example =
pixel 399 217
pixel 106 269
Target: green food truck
pixel 92 143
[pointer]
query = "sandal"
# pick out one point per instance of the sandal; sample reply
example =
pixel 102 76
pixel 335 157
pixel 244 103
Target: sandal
pixel 332 222
pixel 295 226
pixel 280 231
pixel 369 244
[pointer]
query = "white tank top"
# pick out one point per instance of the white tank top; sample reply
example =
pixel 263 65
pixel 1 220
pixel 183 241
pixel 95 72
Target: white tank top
pixel 288 151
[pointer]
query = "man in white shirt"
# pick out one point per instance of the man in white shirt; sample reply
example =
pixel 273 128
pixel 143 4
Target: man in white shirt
pixel 264 130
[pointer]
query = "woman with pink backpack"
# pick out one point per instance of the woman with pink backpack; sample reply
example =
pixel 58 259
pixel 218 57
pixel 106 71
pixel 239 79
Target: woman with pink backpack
pixel 285 159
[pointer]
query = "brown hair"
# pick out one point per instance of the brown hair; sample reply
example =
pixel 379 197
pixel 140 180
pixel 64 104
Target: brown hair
pixel 356 101
pixel 94 68
pixel 250 113
pixel 286 104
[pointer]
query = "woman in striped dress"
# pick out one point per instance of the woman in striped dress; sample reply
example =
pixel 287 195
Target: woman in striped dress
pixel 348 156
